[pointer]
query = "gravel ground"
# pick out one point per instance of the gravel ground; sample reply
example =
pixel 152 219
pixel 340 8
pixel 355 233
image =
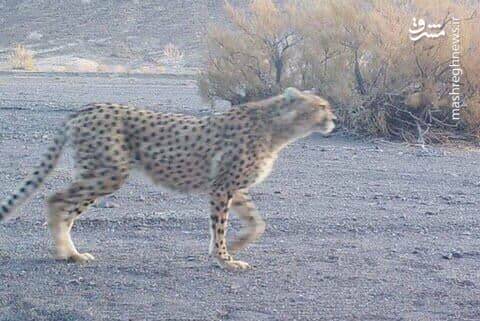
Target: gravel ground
pixel 355 230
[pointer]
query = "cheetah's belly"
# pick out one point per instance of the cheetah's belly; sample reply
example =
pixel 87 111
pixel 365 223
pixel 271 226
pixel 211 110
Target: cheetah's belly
pixel 180 174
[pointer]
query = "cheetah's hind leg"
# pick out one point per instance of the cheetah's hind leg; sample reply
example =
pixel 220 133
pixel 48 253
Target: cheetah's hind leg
pixel 65 206
pixel 61 217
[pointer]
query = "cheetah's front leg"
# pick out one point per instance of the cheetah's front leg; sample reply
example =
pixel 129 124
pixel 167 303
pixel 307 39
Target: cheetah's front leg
pixel 243 206
pixel 220 203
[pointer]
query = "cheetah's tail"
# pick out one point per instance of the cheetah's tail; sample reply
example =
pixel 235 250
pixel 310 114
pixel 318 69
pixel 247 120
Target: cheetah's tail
pixel 36 178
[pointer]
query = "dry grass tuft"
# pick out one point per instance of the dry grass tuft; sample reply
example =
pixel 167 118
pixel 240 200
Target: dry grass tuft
pixel 22 59
pixel 172 52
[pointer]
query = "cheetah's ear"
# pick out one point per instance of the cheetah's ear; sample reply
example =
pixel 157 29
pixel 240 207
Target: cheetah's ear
pixel 291 94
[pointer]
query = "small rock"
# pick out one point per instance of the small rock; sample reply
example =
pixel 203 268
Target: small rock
pixel 447 256
pixel 277 192
pixel 332 258
pixel 105 204
pixel 234 286
pixel 222 313
pixel 457 254
pixel 162 216
pixel 466 283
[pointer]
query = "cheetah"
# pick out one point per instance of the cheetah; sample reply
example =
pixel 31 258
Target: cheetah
pixel 221 155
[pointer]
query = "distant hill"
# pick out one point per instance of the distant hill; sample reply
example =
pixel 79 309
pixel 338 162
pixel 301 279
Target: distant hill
pixel 109 31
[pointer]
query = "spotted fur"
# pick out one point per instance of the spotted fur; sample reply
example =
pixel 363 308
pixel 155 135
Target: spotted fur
pixel 222 155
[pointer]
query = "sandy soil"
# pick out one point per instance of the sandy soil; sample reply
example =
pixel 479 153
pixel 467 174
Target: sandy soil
pixel 357 230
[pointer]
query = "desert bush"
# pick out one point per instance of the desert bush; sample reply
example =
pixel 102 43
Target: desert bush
pixel 150 69
pixel 172 52
pixel 356 53
pixel 471 116
pixel 21 59
pixel 251 60
pixel 104 68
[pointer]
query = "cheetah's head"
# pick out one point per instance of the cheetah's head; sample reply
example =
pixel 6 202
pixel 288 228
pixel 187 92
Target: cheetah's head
pixel 307 112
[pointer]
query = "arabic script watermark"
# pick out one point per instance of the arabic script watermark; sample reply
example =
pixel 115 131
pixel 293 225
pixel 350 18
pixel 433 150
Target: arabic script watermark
pixel 420 30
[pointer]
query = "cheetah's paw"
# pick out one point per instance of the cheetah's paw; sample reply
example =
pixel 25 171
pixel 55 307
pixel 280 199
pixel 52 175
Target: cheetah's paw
pixel 82 257
pixel 233 265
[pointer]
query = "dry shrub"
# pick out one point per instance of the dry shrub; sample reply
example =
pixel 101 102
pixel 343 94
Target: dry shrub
pixel 471 116
pixel 76 64
pixel 103 68
pixel 150 69
pixel 251 60
pixel 22 59
pixel 172 52
pixel 356 53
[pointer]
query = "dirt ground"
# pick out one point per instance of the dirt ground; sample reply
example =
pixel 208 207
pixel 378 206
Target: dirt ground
pixel 356 230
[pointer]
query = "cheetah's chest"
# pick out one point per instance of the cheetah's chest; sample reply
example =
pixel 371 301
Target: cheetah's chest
pixel 264 169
